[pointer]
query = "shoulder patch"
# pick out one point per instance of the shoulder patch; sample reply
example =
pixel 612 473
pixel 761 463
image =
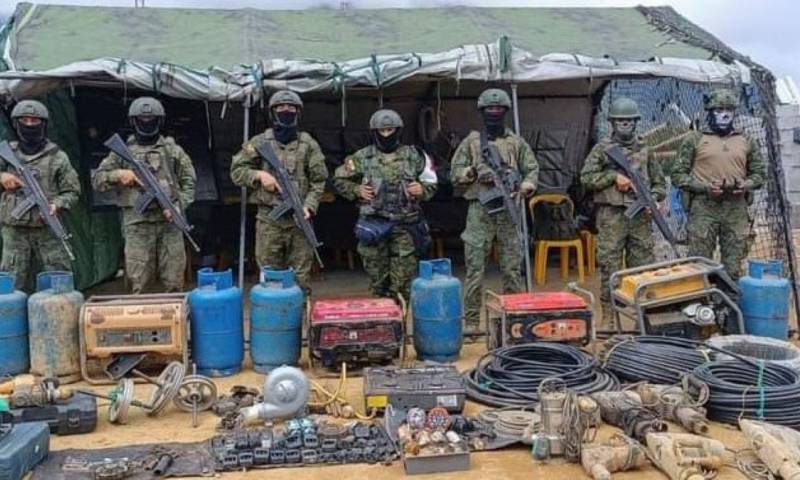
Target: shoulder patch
pixel 249 149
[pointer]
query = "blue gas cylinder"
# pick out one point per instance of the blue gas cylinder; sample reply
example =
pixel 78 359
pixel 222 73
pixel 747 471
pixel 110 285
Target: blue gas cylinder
pixel 437 311
pixel 276 320
pixel 53 333
pixel 765 299
pixel 217 330
pixel 14 358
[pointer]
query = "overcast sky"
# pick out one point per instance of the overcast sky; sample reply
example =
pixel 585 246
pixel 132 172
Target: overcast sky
pixel 766 30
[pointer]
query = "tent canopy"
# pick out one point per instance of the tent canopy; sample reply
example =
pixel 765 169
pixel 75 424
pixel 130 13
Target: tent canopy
pixel 49 36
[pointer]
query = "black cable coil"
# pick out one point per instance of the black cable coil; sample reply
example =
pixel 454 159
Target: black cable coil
pixel 655 359
pixel 510 376
pixel 753 390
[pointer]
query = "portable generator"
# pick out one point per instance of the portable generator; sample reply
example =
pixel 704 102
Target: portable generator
pixel 112 326
pixel 520 318
pixel 691 297
pixel 356 331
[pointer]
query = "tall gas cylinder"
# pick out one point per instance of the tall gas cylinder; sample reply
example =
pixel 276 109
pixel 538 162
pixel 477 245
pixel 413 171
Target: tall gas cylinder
pixel 765 299
pixel 276 320
pixel 53 327
pixel 14 357
pixel 437 311
pixel 217 327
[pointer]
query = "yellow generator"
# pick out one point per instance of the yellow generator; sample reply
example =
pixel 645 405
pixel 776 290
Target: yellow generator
pixel 690 297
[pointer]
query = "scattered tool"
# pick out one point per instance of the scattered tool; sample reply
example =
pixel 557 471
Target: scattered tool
pixel 674 404
pixel 424 387
pixel 683 456
pixel 617 455
pixel 197 393
pixel 776 446
pixel 624 410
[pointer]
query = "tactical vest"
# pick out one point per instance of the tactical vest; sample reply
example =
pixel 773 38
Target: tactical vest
pixel 507 147
pixel 293 157
pixel 41 166
pixel 637 156
pixel 720 159
pixel 160 158
pixel 389 174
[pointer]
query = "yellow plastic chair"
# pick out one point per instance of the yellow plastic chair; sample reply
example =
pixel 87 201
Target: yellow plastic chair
pixel 589 240
pixel 542 247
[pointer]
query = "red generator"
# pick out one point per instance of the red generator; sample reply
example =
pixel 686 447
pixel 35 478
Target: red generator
pixel 355 331
pixel 537 317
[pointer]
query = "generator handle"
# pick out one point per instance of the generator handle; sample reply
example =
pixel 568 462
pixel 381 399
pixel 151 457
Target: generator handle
pixel 573 286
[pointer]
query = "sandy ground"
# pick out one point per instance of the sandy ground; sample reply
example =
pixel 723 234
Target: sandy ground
pixel 512 463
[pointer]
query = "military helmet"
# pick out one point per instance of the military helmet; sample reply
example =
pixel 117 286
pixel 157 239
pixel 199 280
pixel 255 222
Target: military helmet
pixel 30 108
pixel 722 98
pixel 385 119
pixel 285 97
pixel 494 97
pixel 622 108
pixel 146 106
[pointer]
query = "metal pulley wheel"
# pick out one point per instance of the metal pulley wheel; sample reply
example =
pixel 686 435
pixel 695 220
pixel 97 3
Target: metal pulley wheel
pixel 169 382
pixel 196 393
pixel 121 399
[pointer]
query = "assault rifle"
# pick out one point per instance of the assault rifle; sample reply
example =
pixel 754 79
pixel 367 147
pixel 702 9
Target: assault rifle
pixel 291 199
pixel 643 197
pixel 506 183
pixel 34 197
pixel 152 188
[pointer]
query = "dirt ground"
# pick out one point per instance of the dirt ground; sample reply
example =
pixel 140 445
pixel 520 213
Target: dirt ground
pixel 512 463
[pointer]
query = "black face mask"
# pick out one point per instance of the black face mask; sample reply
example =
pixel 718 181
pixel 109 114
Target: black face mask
pixel 718 124
pixel 284 125
pixel 31 139
pixel 146 131
pixel 387 144
pixel 494 123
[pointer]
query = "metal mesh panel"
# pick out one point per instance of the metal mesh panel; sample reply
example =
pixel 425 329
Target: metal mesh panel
pixel 671 109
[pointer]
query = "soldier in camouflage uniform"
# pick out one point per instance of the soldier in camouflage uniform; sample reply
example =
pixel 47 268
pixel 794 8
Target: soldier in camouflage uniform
pixel 151 240
pixel 469 171
pixel 389 179
pixel 618 236
pixel 719 168
pixel 28 235
pixel 280 243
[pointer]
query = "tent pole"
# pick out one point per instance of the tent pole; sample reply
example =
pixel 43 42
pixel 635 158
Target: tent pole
pixel 243 200
pixel 524 220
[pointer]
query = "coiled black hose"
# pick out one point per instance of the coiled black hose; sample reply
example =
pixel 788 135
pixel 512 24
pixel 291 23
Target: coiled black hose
pixel 510 376
pixel 658 360
pixel 759 391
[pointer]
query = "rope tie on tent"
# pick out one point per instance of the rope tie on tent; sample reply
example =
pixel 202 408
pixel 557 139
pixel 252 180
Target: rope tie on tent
pixel 122 70
pixel 376 72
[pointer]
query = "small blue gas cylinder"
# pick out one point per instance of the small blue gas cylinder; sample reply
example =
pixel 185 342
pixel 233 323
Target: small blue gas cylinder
pixel 217 327
pixel 276 320
pixel 54 338
pixel 437 311
pixel 14 358
pixel 765 299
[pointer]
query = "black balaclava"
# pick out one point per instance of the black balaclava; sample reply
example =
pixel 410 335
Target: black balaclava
pixel 494 123
pixel 147 129
pixel 624 135
pixel 31 139
pixel 284 126
pixel 387 144
pixel 720 121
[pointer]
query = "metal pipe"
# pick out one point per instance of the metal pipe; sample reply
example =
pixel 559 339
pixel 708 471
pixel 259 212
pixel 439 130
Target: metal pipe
pixel 524 219
pixel 243 199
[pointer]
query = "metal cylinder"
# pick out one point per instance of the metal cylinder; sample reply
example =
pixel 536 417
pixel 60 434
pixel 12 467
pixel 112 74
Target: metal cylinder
pixel 14 353
pixel 765 299
pixel 217 326
pixel 437 311
pixel 276 316
pixel 53 327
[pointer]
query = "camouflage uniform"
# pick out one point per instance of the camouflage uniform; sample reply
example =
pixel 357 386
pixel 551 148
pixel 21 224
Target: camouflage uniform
pixel 483 229
pixel 706 157
pixel 280 243
pixel 392 262
pixel 150 241
pixel 29 235
pixel 617 235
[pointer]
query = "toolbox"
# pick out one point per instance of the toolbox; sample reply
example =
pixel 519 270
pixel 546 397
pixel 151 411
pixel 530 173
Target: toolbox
pixel 521 318
pixel 355 331
pixel 78 414
pixel 113 325
pixel 405 388
pixel 22 447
